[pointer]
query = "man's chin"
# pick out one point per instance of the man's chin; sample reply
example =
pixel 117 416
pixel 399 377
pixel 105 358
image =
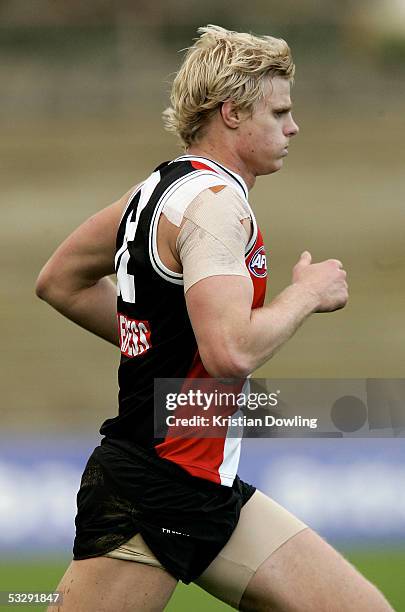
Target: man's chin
pixel 276 166
pixel 271 169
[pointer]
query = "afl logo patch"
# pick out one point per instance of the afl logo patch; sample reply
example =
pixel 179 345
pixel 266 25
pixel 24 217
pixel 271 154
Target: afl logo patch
pixel 258 263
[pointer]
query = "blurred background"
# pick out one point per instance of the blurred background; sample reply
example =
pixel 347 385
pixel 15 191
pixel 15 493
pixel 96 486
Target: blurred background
pixel 84 85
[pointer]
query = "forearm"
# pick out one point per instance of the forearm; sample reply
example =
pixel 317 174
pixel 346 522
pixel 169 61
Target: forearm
pixel 248 337
pixel 234 340
pixel 92 307
pixel 274 324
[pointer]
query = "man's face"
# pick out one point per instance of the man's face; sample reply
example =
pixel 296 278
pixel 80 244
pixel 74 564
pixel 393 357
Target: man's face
pixel 263 138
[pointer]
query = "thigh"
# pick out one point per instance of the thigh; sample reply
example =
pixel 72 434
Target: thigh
pixel 306 574
pixel 102 584
pixel 263 527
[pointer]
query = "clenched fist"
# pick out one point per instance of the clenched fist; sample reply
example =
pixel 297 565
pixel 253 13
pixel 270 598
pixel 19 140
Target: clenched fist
pixel 325 280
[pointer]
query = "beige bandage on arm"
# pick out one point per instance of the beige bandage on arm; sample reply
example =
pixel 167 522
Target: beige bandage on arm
pixel 212 240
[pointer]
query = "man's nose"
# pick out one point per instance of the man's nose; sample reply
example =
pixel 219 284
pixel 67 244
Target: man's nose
pixel 292 128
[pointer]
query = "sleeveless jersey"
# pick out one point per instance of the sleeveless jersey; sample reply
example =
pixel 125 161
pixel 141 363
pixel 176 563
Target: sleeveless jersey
pixel 156 336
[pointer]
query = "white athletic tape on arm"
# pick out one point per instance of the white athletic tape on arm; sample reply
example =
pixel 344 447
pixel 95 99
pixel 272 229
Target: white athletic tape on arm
pixel 177 202
pixel 212 240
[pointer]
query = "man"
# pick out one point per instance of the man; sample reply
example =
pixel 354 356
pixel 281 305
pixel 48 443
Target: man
pixel 190 305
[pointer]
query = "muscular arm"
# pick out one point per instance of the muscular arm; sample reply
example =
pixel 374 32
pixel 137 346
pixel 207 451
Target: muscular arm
pixel 234 340
pixel 75 279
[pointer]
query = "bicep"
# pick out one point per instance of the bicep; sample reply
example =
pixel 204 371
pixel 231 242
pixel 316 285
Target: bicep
pixel 88 253
pixel 219 308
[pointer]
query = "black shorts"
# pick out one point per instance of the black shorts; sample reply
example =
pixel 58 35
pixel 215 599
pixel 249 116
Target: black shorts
pixel 184 520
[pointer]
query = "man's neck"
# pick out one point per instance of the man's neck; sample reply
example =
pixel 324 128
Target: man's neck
pixel 226 158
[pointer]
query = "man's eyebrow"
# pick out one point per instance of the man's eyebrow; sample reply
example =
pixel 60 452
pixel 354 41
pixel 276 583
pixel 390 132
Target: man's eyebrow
pixel 282 109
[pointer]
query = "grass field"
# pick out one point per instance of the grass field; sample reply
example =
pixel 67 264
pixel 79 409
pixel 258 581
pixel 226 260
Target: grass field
pixel 385 568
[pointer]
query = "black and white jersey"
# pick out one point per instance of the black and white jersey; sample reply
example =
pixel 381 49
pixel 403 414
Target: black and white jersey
pixel 156 337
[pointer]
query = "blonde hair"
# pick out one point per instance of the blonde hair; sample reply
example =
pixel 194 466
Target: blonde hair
pixel 223 65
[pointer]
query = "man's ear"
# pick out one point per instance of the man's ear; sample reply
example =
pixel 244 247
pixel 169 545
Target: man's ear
pixel 231 116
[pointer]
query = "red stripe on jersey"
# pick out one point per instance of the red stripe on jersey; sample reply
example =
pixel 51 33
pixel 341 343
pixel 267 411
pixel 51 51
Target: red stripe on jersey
pixel 256 263
pixel 199 166
pixel 198 456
